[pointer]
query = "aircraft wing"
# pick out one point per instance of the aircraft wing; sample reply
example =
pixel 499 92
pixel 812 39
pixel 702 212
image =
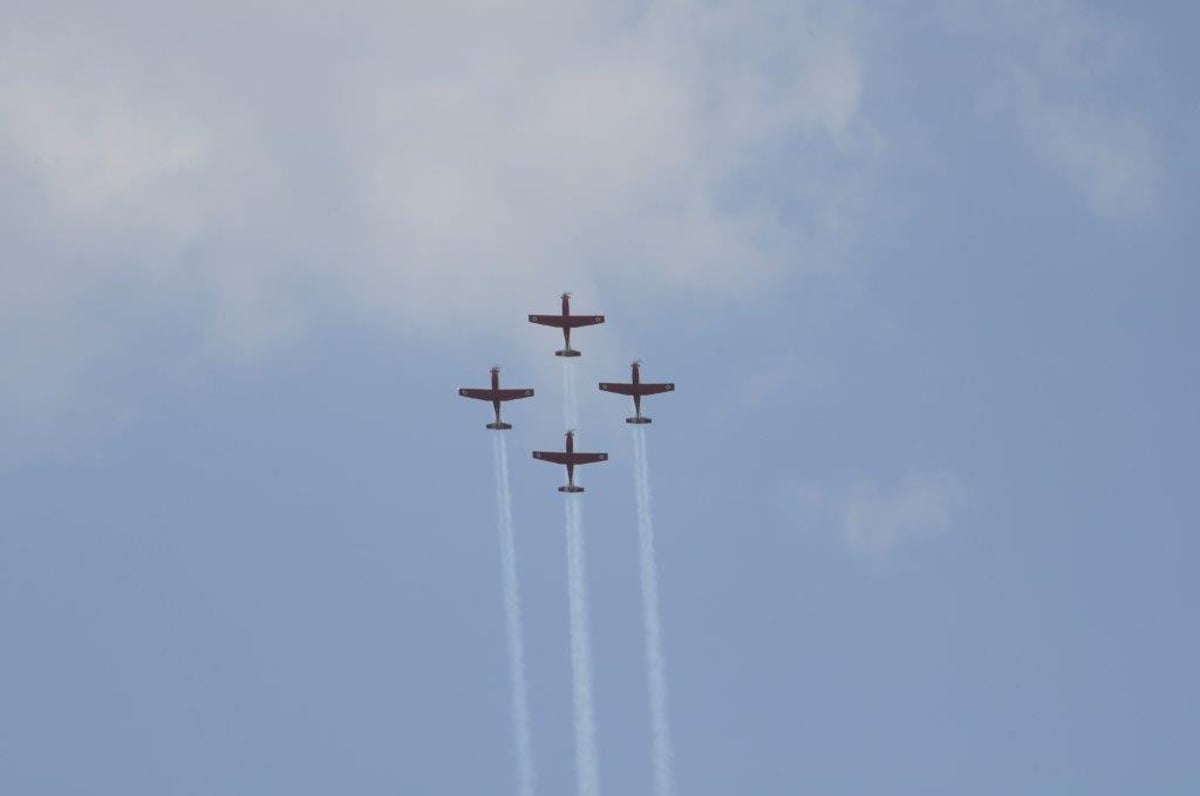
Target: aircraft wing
pixel 575 321
pixel 511 394
pixel 484 394
pixel 562 457
pixel 636 389
pixel 566 321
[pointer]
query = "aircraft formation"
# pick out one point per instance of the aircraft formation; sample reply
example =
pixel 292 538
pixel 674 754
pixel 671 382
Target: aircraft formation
pixel 568 457
pixel 586 757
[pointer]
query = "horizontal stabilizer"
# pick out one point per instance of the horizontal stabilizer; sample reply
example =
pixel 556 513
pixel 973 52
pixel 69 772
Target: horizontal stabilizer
pixel 499 426
pixel 567 352
pixel 571 489
pixel 637 420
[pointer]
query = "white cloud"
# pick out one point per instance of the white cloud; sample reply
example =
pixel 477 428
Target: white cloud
pixel 875 520
pixel 246 167
pixel 238 170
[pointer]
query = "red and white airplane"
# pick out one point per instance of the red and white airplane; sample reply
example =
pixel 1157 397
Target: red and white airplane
pixel 570 458
pixel 566 322
pixel 496 396
pixel 637 388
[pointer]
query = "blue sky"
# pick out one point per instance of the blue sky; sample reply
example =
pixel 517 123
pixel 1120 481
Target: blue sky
pixel 923 273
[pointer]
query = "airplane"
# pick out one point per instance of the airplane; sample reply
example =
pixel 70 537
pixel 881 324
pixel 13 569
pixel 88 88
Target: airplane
pixel 496 395
pixel 570 458
pixel 637 388
pixel 566 322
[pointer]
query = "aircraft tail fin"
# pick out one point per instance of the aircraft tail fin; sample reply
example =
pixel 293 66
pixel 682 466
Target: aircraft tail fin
pixel 640 420
pixel 571 489
pixel 499 426
pixel 567 352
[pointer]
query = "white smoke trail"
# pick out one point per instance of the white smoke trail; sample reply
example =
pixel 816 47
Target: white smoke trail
pixel 512 619
pixel 586 768
pixel 652 623
pixel 586 765
pixel 570 400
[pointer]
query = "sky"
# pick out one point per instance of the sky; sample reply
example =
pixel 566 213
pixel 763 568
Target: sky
pixel 923 273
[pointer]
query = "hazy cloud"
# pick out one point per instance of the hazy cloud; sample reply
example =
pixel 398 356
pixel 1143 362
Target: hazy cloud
pixel 1054 66
pixel 234 171
pixel 244 168
pixel 1110 155
pixel 874 519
